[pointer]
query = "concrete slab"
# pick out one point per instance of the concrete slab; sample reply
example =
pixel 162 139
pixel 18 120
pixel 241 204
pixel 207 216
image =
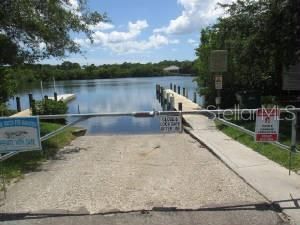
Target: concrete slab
pixel 266 176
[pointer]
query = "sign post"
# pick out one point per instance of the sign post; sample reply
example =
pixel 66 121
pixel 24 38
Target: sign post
pixel 267 125
pixel 218 64
pixel 219 82
pixel 18 134
pixel 170 123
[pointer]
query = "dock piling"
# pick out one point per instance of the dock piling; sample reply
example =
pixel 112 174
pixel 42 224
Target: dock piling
pixel 18 101
pixel 172 102
pixel 195 97
pixel 178 89
pixel 174 87
pixel 161 97
pixel 33 109
pixel 30 98
pixel 179 106
pixel 183 92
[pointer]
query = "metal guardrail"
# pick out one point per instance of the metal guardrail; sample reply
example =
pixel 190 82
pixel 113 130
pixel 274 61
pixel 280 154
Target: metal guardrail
pixel 143 114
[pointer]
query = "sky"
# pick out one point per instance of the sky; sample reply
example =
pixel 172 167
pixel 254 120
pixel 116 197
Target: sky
pixel 144 31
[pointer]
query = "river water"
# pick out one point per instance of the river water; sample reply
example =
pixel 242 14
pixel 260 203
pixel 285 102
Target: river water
pixel 111 95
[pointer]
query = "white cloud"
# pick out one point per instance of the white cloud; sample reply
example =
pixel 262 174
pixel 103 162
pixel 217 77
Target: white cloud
pixel 134 29
pixel 195 15
pixel 175 41
pixel 74 4
pixel 153 42
pixel 102 26
pixel 123 42
pixel 191 41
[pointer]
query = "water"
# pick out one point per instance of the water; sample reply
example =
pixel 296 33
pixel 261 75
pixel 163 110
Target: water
pixel 111 95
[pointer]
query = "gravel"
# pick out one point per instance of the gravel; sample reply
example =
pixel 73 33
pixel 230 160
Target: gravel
pixel 124 173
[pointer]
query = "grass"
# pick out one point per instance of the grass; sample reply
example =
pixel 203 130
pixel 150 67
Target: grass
pixel 270 151
pixel 17 166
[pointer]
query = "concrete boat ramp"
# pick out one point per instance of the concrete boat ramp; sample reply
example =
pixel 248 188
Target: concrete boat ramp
pixel 156 179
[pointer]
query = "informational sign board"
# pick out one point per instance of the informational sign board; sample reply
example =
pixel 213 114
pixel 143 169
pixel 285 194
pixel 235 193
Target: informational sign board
pixel 291 78
pixel 219 82
pixel 170 123
pixel 267 125
pixel 218 61
pixel 19 134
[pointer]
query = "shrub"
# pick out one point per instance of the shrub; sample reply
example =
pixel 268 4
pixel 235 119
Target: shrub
pixel 50 107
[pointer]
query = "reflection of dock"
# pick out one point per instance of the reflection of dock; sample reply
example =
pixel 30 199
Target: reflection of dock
pixel 65 98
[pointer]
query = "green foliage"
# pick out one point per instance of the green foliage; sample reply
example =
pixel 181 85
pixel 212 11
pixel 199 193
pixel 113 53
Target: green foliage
pixel 69 71
pixel 260 37
pixel 7 84
pixel 4 111
pixel 270 151
pixel 50 107
pixel 31 30
pixel 25 162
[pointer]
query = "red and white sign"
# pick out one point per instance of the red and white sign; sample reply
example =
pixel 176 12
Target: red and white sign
pixel 267 125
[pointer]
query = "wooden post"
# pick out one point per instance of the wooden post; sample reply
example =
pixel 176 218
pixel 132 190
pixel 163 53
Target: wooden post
pixel 30 100
pixel 187 93
pixel 165 101
pixel 168 101
pixel 178 89
pixel 18 104
pixel 172 103
pixel 158 91
pixel 183 92
pixel 179 106
pixel 55 96
pixel 46 97
pixel 174 88
pixel 161 95
pixel 195 97
pixel 171 86
pixel 33 109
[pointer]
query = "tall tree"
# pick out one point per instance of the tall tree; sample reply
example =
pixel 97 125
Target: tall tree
pixel 260 36
pixel 31 30
pixel 34 29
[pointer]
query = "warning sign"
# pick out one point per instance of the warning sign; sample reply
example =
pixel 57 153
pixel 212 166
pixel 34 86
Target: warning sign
pixel 170 124
pixel 267 125
pixel 19 134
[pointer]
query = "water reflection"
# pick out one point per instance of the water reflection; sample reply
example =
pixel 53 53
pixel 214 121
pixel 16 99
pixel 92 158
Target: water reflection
pixel 112 95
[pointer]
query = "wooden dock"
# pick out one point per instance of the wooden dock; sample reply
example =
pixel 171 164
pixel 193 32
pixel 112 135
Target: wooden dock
pixel 65 98
pixel 187 104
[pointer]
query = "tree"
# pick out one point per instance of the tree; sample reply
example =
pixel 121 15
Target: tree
pixel 31 30
pixel 37 29
pixel 260 36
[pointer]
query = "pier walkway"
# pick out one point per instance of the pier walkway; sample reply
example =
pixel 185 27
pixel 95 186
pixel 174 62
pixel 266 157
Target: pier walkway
pixel 65 98
pixel 187 104
pixel 267 177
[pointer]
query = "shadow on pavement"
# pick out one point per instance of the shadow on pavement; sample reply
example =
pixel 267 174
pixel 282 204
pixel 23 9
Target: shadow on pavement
pixel 274 206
